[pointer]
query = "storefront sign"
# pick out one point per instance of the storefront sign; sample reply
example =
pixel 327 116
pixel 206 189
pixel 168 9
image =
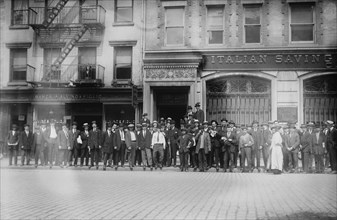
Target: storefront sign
pixel 270 60
pixel 62 97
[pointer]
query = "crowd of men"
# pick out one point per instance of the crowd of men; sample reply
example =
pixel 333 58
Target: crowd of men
pixel 199 145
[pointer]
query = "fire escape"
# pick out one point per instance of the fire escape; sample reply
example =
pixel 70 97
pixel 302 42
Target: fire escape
pixel 67 22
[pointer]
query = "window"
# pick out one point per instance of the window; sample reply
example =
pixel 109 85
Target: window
pixel 87 62
pixel 215 24
pixel 123 10
pixel 51 72
pixel 174 26
pixel 19 12
pixel 302 22
pixel 123 62
pixel 252 26
pixel 18 64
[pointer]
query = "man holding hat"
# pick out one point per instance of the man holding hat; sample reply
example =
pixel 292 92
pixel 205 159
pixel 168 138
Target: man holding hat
pixel 199 113
pixel 131 144
pixel 13 143
pixel 144 138
pixel 26 140
pixel 85 145
pixel 332 145
pixel 95 136
pixel 74 134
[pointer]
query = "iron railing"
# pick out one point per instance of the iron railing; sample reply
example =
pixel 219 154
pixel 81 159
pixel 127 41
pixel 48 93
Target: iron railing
pixel 68 15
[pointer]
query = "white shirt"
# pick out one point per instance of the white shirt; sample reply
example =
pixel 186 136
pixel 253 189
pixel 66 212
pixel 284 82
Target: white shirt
pixel 53 132
pixel 122 135
pixel 133 136
pixel 158 138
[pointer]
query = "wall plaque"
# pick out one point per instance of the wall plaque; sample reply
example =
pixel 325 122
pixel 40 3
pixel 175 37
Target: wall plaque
pixel 288 114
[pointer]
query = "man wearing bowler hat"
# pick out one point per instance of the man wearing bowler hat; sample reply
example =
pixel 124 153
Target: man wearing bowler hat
pixel 13 144
pixel 85 145
pixel 95 136
pixel 26 140
pixel 332 145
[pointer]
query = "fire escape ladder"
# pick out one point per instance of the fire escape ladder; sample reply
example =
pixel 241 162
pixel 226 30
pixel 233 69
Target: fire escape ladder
pixel 54 12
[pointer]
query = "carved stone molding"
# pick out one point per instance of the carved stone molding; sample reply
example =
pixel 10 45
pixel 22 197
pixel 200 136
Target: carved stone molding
pixel 175 74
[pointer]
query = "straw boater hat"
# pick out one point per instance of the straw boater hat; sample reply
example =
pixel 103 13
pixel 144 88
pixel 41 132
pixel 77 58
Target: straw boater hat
pixel 131 125
pixel 329 123
pixel 205 123
pixel 85 125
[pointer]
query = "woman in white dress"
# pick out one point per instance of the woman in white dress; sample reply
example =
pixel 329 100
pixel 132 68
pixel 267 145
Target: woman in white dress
pixel 276 150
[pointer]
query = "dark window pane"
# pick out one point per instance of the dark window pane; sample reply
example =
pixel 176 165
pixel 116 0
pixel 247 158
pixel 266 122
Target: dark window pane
pixel 19 64
pixel 123 72
pixel 124 14
pixel 215 37
pixel 302 33
pixel 302 14
pixel 175 35
pixel 252 34
pixel 252 15
pixel 19 75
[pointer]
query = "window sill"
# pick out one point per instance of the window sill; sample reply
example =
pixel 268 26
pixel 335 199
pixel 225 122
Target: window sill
pixel 117 24
pixel 17 27
pixel 17 83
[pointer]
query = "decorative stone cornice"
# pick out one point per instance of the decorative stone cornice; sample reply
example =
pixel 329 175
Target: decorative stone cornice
pixel 160 73
pixel 122 43
pixel 170 66
pixel 19 45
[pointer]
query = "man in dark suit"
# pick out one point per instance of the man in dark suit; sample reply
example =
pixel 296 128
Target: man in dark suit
pixel 39 146
pixel 145 119
pixel 131 144
pixel 13 143
pixel 229 149
pixel 173 135
pixel 26 140
pixel 144 138
pixel 73 136
pixel 115 153
pixel 305 145
pixel 203 146
pixel 85 145
pixel 318 149
pixel 199 113
pixel 121 145
pixel 332 145
pixel 63 145
pixel 311 127
pixel 265 142
pixel 256 148
pixel 51 137
pixel 95 136
pixel 109 141
pixel 293 148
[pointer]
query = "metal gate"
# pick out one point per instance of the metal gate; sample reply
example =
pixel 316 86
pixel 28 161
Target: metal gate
pixel 320 98
pixel 241 99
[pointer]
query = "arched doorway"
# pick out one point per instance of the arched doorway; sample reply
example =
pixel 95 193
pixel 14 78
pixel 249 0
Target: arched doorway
pixel 239 98
pixel 320 98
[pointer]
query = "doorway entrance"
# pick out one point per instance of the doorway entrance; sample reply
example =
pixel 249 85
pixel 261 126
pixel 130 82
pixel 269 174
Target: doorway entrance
pixel 171 102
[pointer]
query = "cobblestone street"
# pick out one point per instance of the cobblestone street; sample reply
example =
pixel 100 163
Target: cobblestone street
pixel 28 193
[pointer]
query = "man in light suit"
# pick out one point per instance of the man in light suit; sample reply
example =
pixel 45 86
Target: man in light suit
pixel 63 145
pixel 131 144
pixel 13 143
pixel 144 143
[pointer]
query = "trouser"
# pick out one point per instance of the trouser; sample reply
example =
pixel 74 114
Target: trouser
pixel 52 151
pixel 193 157
pixel 45 154
pixel 70 156
pixel 311 160
pixel 221 156
pixel 122 153
pixel 174 149
pixel 25 154
pixel 77 154
pixel 217 157
pixel 13 152
pixel 158 150
pixel 327 159
pixel 167 155
pixel 184 160
pixel 106 157
pixel 138 157
pixel 256 154
pixel 202 159
pixel 115 155
pixel 39 154
pixel 225 159
pixel 147 157
pixel 333 158
pixel 319 165
pixel 94 156
pixel 293 156
pixel 132 153
pixel 63 156
pixel 210 158
pixel 236 156
pixel 265 154
pixel 246 154
pixel 85 156
pixel 286 155
pixel 305 161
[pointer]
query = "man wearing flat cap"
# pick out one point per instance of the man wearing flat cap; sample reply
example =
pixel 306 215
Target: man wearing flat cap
pixel 13 144
pixel 332 145
pixel 95 136
pixel 26 140
pixel 199 113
